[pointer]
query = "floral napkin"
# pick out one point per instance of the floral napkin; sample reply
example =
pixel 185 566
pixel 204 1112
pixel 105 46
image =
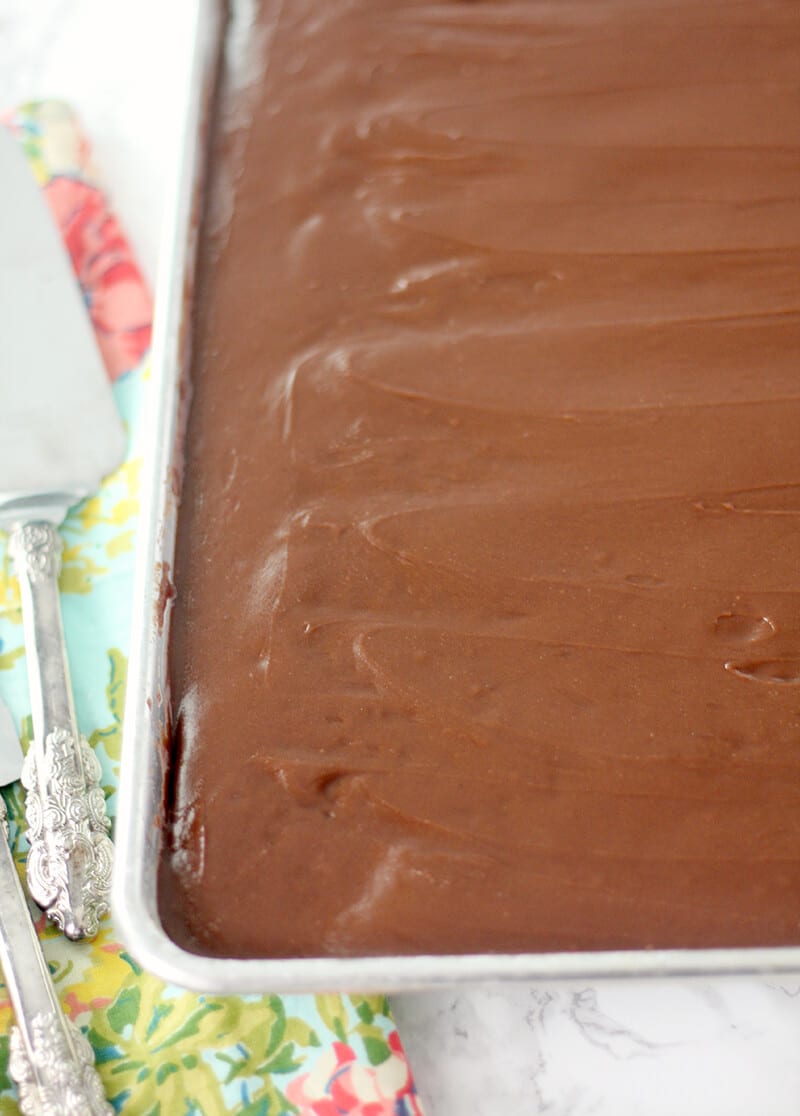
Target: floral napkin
pixel 161 1051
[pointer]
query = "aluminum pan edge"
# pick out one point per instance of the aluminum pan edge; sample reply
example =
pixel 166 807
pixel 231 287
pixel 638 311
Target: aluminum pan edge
pixel 141 775
pixel 136 834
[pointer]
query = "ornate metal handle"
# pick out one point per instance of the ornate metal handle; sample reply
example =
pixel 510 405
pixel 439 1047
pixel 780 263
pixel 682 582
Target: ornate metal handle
pixel 50 1061
pixel 69 863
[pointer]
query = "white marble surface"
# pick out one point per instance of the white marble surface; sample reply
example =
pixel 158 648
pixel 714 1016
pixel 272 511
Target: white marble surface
pixel 646 1049
pixel 659 1048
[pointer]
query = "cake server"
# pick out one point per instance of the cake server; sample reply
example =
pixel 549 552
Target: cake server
pixel 59 435
pixel 50 1060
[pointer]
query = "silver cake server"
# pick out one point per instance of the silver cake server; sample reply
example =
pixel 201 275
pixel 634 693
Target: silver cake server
pixel 50 1060
pixel 59 435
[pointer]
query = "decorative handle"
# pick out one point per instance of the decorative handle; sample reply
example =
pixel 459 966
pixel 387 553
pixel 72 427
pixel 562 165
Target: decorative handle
pixel 69 863
pixel 50 1060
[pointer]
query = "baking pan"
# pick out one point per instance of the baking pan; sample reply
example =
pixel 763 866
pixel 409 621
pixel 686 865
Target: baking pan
pixel 144 758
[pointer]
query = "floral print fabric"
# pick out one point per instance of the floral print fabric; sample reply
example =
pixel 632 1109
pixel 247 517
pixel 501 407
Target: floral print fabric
pixel 160 1050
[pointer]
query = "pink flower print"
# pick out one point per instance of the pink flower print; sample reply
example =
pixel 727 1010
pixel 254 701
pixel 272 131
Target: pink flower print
pixel 74 1006
pixel 339 1085
pixel 118 300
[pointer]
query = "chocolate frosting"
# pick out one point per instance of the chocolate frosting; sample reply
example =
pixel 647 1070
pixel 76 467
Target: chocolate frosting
pixel 487 631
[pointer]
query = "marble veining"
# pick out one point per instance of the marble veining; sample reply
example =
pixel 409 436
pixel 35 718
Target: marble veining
pixel 617 1049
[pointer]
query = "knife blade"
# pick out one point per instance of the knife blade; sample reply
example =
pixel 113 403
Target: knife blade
pixel 10 749
pixel 60 434
pixel 50 1060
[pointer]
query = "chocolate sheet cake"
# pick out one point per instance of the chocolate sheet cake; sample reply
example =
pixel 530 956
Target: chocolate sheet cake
pixel 487 631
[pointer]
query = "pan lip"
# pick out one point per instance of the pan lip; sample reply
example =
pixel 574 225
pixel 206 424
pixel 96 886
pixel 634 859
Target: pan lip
pixel 141 929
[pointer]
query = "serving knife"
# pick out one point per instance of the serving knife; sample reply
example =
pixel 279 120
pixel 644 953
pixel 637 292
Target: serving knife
pixel 60 434
pixel 50 1060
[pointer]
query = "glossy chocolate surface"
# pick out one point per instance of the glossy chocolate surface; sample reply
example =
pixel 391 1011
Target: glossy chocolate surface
pixel 487 634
